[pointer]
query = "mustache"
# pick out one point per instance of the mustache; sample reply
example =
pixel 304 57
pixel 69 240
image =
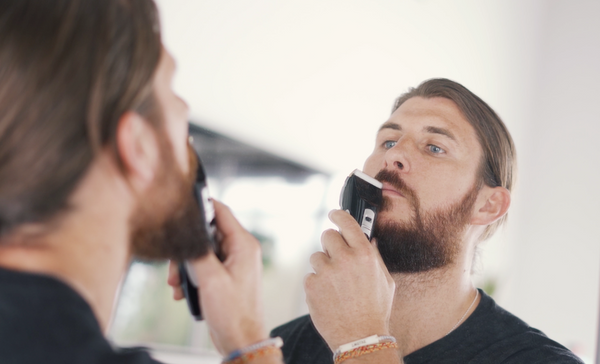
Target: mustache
pixel 397 182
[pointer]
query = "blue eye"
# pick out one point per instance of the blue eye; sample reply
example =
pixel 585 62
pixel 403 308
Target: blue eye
pixel 389 144
pixel 435 149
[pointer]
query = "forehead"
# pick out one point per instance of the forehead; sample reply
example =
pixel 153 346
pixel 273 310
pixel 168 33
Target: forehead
pixel 433 114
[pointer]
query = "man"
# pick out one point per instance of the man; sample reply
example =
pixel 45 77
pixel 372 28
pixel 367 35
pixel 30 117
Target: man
pixel 95 168
pixel 447 164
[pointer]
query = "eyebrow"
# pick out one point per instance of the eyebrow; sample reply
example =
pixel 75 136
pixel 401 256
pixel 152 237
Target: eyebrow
pixel 441 131
pixel 390 125
pixel 430 129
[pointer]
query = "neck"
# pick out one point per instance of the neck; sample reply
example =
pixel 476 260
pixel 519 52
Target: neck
pixel 428 305
pixel 88 249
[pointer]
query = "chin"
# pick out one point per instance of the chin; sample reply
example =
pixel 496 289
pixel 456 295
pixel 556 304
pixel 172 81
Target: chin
pixel 395 213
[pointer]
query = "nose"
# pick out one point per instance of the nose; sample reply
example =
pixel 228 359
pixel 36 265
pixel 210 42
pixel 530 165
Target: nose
pixel 397 157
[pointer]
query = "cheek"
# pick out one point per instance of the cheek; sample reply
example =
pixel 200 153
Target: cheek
pixel 177 121
pixel 373 164
pixel 444 188
pixel 181 150
pixel 179 134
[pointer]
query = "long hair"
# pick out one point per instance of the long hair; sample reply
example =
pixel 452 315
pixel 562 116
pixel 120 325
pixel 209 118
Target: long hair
pixel 69 69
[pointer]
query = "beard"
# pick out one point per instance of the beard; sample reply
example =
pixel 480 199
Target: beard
pixel 430 240
pixel 166 223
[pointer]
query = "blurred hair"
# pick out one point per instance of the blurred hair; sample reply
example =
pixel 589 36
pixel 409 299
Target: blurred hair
pixel 498 166
pixel 69 69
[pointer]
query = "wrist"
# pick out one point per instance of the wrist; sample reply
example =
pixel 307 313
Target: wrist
pixel 268 348
pixel 243 340
pixel 363 346
pixel 377 357
pixel 350 337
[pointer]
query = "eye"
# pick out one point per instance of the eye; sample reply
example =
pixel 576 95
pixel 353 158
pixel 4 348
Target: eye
pixel 389 144
pixel 435 149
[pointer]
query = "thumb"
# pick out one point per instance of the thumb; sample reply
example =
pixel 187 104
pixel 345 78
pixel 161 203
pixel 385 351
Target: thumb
pixel 208 268
pixel 378 254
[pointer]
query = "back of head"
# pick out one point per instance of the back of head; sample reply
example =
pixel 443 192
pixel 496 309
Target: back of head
pixel 68 70
pixel 498 166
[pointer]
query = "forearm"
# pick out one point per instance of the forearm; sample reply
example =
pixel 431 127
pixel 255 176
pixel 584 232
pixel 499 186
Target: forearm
pixel 378 357
pixel 272 359
pixel 264 352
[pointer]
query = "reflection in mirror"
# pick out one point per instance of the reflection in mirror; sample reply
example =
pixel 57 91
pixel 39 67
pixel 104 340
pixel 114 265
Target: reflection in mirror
pixel 280 202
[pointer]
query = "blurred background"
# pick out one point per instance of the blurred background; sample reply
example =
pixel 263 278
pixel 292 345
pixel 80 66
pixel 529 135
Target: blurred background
pixel 286 97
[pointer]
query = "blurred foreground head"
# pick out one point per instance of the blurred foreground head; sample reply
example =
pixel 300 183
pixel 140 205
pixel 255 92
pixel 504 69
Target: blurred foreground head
pixel 68 70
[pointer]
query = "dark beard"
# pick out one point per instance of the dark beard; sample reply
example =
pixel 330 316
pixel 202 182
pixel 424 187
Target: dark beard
pixel 166 223
pixel 430 240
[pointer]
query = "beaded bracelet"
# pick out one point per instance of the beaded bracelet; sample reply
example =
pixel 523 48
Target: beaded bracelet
pixel 258 350
pixel 364 346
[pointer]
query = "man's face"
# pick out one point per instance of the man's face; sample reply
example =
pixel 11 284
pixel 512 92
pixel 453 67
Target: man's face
pixel 166 222
pixel 175 111
pixel 427 155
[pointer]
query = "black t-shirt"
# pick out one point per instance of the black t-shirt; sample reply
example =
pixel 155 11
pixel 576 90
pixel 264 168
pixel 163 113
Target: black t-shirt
pixel 490 335
pixel 42 320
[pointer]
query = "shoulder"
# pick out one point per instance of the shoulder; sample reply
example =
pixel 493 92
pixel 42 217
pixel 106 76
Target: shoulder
pixel 43 320
pixel 302 343
pixel 508 339
pixel 492 335
pixel 531 346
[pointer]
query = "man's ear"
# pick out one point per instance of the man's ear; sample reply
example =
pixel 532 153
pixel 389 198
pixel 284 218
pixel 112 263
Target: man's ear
pixel 492 203
pixel 137 148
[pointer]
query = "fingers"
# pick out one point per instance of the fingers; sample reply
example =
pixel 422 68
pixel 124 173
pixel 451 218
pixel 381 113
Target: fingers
pixel 308 283
pixel 332 242
pixel 350 280
pixel 226 222
pixel 230 291
pixel 241 249
pixel 178 294
pixel 377 253
pixel 173 278
pixel 235 240
pixel 174 281
pixel 318 260
pixel 208 269
pixel 349 228
pixel 350 240
pixel 390 280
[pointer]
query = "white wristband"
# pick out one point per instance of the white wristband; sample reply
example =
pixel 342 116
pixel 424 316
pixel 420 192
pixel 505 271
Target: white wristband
pixel 374 339
pixel 276 342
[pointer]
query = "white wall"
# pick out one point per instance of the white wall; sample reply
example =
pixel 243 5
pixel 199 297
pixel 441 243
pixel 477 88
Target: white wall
pixel 312 80
pixel 556 231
